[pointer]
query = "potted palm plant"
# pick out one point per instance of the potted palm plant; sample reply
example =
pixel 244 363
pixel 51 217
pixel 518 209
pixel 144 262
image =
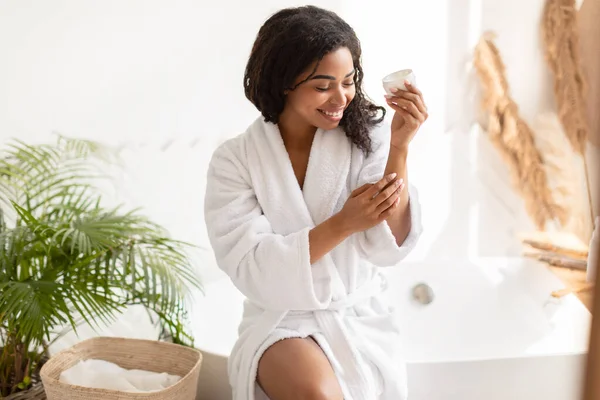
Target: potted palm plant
pixel 66 258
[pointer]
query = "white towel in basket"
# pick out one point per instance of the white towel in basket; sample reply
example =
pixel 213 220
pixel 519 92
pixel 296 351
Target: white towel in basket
pixel 100 374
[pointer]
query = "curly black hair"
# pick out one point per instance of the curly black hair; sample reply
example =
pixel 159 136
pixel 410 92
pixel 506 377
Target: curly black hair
pixel 287 43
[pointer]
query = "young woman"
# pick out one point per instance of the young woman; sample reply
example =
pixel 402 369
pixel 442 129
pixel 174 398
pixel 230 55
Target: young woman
pixel 304 208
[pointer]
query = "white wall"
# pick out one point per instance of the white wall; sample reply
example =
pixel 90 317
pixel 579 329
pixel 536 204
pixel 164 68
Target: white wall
pixel 130 69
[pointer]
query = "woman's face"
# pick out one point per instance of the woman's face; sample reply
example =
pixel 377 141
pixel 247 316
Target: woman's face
pixel 322 100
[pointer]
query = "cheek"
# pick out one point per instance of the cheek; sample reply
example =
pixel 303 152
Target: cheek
pixel 311 99
pixel 295 101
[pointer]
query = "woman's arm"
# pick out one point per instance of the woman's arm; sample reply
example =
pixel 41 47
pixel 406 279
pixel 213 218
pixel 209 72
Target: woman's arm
pixel 388 243
pixel 410 114
pixel 400 221
pixel 325 237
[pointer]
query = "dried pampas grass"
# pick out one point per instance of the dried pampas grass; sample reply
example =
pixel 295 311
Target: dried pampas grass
pixel 561 43
pixel 514 139
pixel 565 172
pixel 560 34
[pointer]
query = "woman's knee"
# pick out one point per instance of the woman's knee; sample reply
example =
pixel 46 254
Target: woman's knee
pixel 297 369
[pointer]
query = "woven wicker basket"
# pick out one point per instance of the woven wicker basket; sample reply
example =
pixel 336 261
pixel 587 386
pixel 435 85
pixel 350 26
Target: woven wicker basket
pixel 129 354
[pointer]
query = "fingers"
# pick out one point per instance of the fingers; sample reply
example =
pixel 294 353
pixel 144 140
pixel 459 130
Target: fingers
pixel 408 117
pixel 417 99
pixel 390 197
pixel 379 186
pixel 413 96
pixel 407 105
pixel 360 190
pixel 390 210
pixel 413 89
pixel 387 192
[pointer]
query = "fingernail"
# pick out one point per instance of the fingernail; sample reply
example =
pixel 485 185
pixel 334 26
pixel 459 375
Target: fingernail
pixel 392 175
pixel 397 201
pixel 394 90
pixel 399 182
pixel 387 96
pixel 406 82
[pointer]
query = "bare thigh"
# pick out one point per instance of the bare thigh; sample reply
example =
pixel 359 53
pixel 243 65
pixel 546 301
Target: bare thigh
pixel 297 369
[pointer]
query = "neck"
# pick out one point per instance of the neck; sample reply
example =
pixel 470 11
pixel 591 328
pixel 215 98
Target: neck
pixel 296 134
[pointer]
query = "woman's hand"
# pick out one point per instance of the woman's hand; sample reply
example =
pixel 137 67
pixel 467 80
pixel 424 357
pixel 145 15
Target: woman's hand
pixel 410 113
pixel 370 204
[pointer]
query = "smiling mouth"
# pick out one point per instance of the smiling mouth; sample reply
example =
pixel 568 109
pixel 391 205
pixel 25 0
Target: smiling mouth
pixel 336 114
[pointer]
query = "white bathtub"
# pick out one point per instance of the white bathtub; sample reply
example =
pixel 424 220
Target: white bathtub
pixel 492 332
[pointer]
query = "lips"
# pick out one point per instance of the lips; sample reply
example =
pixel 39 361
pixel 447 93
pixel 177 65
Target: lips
pixel 334 115
pixel 337 113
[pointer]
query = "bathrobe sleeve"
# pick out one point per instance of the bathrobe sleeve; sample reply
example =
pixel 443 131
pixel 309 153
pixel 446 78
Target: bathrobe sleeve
pixel 378 244
pixel 271 270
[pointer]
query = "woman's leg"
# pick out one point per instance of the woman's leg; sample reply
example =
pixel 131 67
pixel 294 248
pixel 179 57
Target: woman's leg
pixel 297 369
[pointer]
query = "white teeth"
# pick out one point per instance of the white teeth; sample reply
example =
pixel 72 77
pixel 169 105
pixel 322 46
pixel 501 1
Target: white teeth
pixel 330 114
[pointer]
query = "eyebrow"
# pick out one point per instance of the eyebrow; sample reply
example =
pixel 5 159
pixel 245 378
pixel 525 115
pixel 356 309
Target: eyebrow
pixel 331 77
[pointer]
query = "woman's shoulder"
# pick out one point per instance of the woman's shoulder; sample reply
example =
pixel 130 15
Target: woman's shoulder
pixel 228 149
pixel 233 147
pixel 228 157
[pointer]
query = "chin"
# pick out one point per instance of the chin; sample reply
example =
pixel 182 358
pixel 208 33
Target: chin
pixel 328 125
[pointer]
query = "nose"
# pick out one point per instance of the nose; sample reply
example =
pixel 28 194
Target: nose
pixel 338 97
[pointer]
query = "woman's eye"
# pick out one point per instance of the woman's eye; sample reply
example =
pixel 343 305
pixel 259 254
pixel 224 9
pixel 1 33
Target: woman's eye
pixel 345 84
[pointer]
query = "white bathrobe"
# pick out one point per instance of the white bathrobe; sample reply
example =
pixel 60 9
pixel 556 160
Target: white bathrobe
pixel 258 220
